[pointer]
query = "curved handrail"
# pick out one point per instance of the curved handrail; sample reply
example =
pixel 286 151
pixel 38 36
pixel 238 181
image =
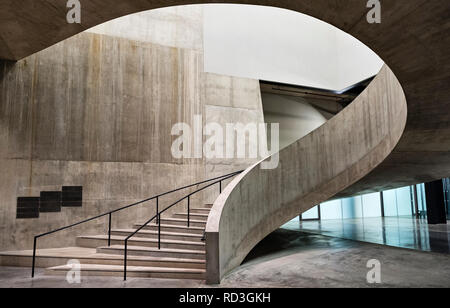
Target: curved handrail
pixel 158 216
pixel 109 213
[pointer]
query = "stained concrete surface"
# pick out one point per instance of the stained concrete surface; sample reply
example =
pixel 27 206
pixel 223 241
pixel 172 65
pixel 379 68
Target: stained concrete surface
pixel 287 258
pixel 97 111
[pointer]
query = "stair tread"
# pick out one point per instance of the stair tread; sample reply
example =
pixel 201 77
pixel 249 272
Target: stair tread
pixel 140 239
pixel 143 248
pixel 173 226
pixel 90 253
pixel 119 268
pixel 193 214
pixel 143 231
pixel 181 219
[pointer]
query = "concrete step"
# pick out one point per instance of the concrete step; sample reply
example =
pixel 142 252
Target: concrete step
pixel 153 252
pixel 132 271
pixel 208 205
pixel 172 228
pixel 57 256
pixel 195 216
pixel 154 234
pixel 93 241
pixel 200 210
pixel 183 222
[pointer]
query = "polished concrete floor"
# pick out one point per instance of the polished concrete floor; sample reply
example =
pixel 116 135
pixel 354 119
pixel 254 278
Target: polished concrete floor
pixel 288 258
pixel 405 232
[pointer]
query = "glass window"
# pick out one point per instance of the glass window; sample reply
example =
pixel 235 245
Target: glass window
pixel 371 205
pixel 404 202
pixel 311 213
pixel 352 207
pixel 331 210
pixel 397 202
pixel 358 207
pixel 348 208
pixel 390 203
pixel 421 197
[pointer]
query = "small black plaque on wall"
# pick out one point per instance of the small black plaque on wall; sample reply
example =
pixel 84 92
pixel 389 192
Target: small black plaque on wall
pixel 72 196
pixel 50 202
pixel 27 207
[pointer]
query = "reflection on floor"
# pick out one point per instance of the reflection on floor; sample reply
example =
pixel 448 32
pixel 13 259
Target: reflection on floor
pixel 405 232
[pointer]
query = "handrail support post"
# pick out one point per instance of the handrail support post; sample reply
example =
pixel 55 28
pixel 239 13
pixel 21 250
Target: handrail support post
pixel 125 260
pixel 34 257
pixel 159 234
pixel 157 210
pixel 109 230
pixel 188 210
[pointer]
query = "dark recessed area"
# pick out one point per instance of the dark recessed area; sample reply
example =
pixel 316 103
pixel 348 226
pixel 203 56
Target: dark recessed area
pixel 50 201
pixel 27 207
pixel 72 196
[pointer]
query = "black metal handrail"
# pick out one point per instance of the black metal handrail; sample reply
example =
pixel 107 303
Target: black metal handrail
pixel 158 216
pixel 223 177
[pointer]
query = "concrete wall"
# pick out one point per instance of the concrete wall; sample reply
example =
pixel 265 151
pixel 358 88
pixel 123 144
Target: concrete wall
pixel 97 110
pixel 226 99
pixel 295 116
pixel 179 26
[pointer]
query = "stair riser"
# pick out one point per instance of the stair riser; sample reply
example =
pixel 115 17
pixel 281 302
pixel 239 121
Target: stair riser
pixel 200 211
pixel 43 262
pixel 162 254
pixel 193 216
pixel 183 223
pixel 171 229
pixel 94 243
pixel 25 261
pixel 196 276
pixel 163 236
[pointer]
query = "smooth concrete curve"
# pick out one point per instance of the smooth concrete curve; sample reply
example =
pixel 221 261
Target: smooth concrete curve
pixel 413 40
pixel 310 171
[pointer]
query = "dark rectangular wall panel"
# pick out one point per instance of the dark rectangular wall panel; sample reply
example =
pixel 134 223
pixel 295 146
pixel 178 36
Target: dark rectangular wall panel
pixel 50 202
pixel 27 207
pixel 447 196
pixel 72 196
pixel 434 192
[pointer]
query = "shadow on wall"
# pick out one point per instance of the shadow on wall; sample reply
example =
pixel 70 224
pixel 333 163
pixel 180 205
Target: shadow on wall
pixel 6 66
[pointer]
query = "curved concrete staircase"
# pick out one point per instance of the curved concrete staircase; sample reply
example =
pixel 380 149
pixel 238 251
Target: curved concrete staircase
pixel 182 254
pixel 380 141
pixel 311 170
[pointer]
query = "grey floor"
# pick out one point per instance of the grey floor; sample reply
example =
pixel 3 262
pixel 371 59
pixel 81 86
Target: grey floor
pixel 288 258
pixel 405 232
